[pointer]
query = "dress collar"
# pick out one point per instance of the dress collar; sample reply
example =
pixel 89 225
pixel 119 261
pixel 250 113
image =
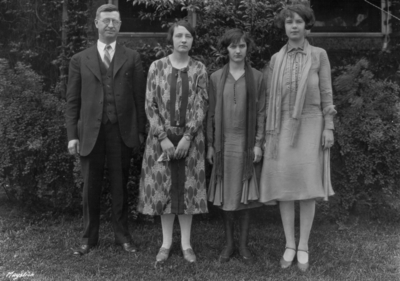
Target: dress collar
pixel 295 49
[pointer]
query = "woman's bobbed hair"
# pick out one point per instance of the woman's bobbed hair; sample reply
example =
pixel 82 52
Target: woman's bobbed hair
pixel 183 23
pixel 302 8
pixel 234 36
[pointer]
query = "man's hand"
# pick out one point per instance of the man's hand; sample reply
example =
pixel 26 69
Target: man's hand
pixel 182 148
pixel 168 148
pixel 257 154
pixel 73 147
pixel 327 139
pixel 210 155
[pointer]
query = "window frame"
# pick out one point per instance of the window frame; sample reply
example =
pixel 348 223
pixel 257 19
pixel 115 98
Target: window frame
pixel 385 28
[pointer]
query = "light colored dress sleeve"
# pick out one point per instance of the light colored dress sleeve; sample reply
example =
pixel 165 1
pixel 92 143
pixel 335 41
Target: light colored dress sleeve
pixel 325 85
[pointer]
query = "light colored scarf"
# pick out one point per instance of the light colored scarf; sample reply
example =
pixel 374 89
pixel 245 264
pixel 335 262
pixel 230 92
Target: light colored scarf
pixel 273 122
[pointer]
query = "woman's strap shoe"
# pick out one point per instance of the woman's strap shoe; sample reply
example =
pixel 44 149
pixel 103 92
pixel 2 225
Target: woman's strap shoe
pixel 302 266
pixel 189 255
pixel 163 254
pixel 284 263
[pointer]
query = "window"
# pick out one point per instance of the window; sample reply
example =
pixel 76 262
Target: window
pixel 347 16
pixel 131 22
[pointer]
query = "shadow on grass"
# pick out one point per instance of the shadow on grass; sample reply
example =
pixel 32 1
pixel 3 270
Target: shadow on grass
pixel 40 248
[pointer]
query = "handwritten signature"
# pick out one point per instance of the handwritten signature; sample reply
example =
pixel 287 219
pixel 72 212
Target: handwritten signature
pixel 14 275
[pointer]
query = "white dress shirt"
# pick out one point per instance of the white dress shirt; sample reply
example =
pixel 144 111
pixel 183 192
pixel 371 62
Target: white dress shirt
pixel 101 46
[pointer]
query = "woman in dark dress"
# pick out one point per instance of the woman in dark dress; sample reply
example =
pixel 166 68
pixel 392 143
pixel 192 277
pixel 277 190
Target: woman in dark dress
pixel 173 175
pixel 235 133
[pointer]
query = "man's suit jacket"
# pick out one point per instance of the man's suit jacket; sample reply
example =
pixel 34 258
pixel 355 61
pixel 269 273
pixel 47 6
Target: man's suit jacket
pixel 85 97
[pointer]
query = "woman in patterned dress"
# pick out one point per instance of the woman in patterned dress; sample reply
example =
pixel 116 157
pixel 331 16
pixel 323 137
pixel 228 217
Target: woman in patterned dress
pixel 299 130
pixel 173 173
pixel 235 133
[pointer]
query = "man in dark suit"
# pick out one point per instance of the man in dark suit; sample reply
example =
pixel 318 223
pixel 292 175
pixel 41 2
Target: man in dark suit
pixel 105 119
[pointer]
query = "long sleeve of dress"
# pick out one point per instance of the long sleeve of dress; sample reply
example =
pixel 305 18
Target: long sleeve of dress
pixel 198 109
pixel 211 114
pixel 325 85
pixel 260 130
pixel 157 128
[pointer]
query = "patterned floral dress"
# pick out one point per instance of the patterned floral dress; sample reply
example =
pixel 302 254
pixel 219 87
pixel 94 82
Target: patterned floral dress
pixel 158 194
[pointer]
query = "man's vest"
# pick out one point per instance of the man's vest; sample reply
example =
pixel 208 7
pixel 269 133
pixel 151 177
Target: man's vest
pixel 107 77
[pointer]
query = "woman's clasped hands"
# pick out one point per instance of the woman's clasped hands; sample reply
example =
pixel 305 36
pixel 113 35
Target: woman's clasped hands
pixel 179 152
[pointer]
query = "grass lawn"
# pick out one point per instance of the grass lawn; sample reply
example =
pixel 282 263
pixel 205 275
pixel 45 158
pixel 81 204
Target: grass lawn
pixel 36 248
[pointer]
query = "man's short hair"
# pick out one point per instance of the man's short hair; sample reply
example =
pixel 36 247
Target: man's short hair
pixel 106 8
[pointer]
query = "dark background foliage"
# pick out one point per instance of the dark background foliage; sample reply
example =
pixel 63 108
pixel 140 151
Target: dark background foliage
pixel 36 170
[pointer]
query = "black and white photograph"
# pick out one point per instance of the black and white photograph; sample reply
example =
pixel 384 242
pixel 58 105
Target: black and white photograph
pixel 191 140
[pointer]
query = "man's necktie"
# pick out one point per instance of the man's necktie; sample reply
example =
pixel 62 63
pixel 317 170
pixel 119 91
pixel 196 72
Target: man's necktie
pixel 107 57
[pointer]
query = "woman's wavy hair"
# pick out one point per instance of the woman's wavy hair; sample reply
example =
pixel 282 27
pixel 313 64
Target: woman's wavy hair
pixel 186 25
pixel 302 8
pixel 234 36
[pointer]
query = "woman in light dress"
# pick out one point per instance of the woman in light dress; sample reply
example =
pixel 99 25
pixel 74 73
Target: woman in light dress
pixel 299 130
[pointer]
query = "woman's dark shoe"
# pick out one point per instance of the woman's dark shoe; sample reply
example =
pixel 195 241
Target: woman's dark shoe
pixel 302 266
pixel 226 254
pixel 284 263
pixel 245 253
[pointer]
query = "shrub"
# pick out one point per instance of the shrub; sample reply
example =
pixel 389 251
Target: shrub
pixel 255 17
pixel 44 34
pixel 366 156
pixel 33 153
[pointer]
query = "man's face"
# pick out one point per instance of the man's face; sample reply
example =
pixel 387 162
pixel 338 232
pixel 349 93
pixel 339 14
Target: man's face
pixel 108 24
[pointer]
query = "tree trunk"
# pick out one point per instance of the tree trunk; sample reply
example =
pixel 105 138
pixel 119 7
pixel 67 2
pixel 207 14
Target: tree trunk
pixel 64 63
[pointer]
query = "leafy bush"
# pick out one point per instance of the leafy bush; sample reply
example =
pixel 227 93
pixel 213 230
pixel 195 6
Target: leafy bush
pixel 366 157
pixel 214 18
pixel 33 155
pixel 44 34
